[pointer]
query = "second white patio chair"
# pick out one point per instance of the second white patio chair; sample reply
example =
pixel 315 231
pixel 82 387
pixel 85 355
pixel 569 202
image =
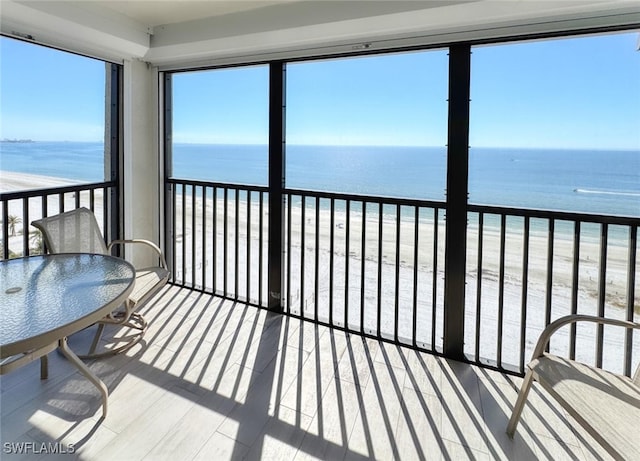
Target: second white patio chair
pixel 77 231
pixel 607 405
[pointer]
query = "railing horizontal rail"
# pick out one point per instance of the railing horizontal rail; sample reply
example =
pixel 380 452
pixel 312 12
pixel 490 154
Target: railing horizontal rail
pixel 367 198
pixel 557 215
pixel 219 185
pixel 17 195
pixel 20 208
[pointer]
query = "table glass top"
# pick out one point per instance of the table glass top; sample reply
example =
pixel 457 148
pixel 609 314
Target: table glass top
pixel 44 293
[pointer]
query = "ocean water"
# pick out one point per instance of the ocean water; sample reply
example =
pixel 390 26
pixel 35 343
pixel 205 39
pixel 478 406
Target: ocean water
pixel 78 161
pixel 603 182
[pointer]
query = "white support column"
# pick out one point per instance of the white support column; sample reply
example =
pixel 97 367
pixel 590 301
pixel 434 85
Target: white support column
pixel 141 177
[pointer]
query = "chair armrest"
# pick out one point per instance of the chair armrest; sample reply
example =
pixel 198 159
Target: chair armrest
pixel 148 243
pixel 545 336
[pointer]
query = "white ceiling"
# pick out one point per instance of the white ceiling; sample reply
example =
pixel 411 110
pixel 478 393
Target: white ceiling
pixel 175 33
pixel 154 13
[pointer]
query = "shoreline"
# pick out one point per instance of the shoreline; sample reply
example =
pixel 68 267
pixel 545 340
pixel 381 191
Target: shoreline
pixel 11 181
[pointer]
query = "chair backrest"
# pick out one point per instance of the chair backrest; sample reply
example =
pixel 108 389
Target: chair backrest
pixel 74 231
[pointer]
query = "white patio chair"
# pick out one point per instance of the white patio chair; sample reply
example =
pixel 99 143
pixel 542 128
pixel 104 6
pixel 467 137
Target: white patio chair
pixel 607 405
pixel 77 231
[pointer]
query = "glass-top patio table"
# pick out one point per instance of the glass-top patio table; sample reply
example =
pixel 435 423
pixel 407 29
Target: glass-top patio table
pixel 44 299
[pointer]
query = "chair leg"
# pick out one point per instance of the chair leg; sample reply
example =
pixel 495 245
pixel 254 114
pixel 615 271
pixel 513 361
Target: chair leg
pixel 519 406
pixel 135 322
pixel 44 367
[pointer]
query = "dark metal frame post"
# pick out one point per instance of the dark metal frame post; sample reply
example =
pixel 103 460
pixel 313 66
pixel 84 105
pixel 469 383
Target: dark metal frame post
pixel 277 109
pixel 457 200
pixel 114 227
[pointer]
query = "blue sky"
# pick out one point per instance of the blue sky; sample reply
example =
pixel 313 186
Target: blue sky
pixel 579 92
pixel 48 95
pixel 569 93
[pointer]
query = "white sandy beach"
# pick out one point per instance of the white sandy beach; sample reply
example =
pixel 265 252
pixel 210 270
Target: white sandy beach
pixel 300 297
pixel 11 181
pixel 317 286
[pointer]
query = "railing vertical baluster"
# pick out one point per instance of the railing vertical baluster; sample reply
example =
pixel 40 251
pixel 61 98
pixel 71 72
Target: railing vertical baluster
pixel 203 253
pixel 260 247
pixel 503 226
pixel 236 252
pixel 317 262
pixel 289 247
pixel 92 200
pixel 602 286
pixel 303 242
pixel 346 265
pixel 631 278
pixel 44 204
pixel 574 287
pixel 434 291
pixel 479 284
pixel 380 226
pixel 173 230
pixel 331 250
pixel 397 284
pixel 5 230
pixel 25 226
pixel 61 202
pixel 549 288
pixel 184 234
pixel 194 252
pixel 77 199
pixel 416 244
pixel 363 237
pixel 525 285
pixel 248 245
pixel 225 225
pixel 106 227
pixel 214 243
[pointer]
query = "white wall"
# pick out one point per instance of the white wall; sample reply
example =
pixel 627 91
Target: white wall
pixel 141 178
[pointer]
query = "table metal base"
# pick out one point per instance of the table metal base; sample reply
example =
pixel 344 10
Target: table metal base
pixel 73 358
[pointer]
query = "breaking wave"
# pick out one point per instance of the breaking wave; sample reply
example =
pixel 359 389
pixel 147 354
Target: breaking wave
pixel 608 192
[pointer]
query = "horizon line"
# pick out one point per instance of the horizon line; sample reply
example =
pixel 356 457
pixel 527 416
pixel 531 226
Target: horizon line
pixel 581 148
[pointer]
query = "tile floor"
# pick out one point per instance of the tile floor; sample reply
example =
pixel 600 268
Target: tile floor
pixel 217 380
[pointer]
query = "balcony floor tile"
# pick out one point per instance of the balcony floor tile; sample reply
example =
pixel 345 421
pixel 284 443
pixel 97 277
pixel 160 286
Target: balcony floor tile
pixel 217 379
